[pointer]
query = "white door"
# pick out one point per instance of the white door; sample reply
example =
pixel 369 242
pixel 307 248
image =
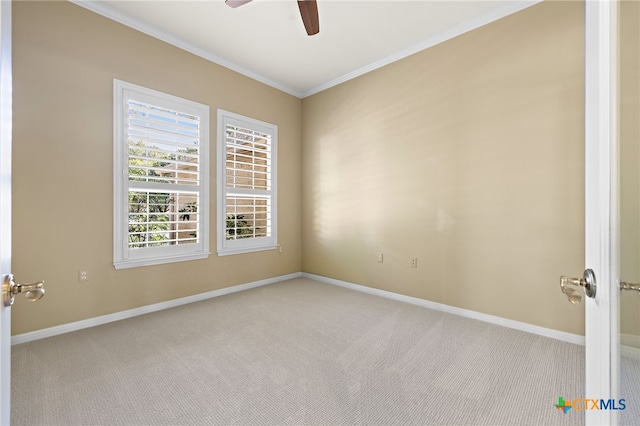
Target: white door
pixel 5 204
pixel 602 210
pixel 629 206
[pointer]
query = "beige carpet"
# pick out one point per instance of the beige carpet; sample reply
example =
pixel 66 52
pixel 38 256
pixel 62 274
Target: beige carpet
pixel 296 352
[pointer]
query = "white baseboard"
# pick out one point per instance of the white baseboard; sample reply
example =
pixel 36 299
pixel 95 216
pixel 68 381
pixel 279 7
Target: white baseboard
pixel 630 346
pixel 529 328
pixel 630 340
pixel 627 348
pixel 104 319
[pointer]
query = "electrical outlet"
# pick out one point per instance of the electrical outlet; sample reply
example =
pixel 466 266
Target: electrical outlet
pixel 279 249
pixel 380 258
pixel 414 262
pixel 83 275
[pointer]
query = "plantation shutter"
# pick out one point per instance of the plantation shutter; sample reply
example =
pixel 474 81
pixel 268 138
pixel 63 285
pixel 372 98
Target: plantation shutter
pixel 163 145
pixel 248 183
pixel 248 204
pixel 161 163
pixel 163 174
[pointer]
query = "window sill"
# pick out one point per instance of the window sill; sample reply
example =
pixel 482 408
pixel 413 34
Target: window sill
pixel 241 250
pixel 135 263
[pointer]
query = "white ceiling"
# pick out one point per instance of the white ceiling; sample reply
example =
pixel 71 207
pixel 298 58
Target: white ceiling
pixel 266 40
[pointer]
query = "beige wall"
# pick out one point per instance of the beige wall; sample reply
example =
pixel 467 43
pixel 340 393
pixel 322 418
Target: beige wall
pixel 629 166
pixel 65 60
pixel 469 156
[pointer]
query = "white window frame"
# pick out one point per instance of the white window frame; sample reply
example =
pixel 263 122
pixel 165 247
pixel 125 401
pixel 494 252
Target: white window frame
pixel 245 245
pixel 125 257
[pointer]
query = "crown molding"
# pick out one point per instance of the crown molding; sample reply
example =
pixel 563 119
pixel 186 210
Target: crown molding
pixel 488 17
pixel 102 8
pixel 499 12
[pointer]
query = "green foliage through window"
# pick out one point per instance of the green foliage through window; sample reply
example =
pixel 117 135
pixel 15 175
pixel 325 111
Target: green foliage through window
pixel 238 227
pixel 149 218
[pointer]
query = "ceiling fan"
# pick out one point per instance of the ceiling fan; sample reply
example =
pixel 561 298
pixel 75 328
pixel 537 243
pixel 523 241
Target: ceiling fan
pixel 308 12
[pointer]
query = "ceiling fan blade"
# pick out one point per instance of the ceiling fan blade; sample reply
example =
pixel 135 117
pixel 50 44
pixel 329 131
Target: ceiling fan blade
pixel 236 3
pixel 309 13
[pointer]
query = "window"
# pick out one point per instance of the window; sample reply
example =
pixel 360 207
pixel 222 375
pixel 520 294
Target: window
pixel 161 174
pixel 247 219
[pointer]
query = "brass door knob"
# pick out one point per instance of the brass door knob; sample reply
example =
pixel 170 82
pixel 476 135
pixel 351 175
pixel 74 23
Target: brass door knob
pixel 571 286
pixel 10 288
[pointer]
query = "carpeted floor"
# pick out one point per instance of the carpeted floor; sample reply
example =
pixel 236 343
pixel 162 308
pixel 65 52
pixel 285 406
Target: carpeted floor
pixel 630 390
pixel 296 352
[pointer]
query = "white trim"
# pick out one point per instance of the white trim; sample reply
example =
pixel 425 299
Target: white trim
pixel 601 209
pixel 630 346
pixel 486 18
pixel 101 8
pixel 123 256
pixel 104 319
pixel 160 260
pixel 509 8
pixel 492 319
pixel 243 250
pixel 6 111
pixel 630 352
pixel 229 247
pixel 630 340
